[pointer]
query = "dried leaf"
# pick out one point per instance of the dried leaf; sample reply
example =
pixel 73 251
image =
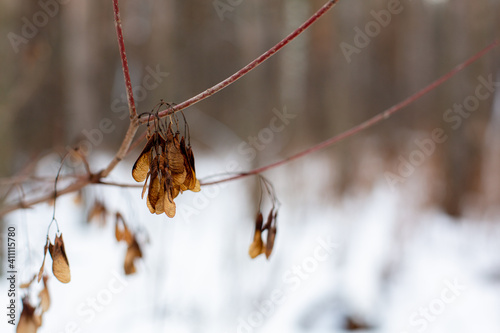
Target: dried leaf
pixel 44 296
pixel 29 322
pixel 40 273
pixel 60 264
pixel 133 252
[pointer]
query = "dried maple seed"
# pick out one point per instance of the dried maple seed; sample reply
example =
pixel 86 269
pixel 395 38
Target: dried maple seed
pixel 125 234
pixel 27 284
pixel 257 246
pixel 98 211
pixel 45 248
pixel 141 165
pixel 29 322
pixel 268 221
pixel 271 235
pixel 133 249
pixel 60 264
pixel 166 166
pixel 44 296
pixel 133 252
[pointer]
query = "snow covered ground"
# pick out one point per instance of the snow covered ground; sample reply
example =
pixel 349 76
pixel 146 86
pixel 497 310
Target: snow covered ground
pixel 369 259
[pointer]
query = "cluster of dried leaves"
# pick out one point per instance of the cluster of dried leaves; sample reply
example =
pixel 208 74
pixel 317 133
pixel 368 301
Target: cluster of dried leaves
pixel 60 264
pixel 98 214
pixel 168 163
pixel 31 316
pixel 123 233
pixel 258 246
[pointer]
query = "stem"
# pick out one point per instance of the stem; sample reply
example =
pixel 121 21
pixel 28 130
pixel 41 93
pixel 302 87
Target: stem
pixel 81 182
pixel 368 123
pixel 134 123
pixel 252 65
pixel 124 148
pixel 123 56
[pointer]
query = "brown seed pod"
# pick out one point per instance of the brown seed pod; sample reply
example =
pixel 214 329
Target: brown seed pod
pixel 271 235
pixel 122 232
pixel 44 296
pixel 141 165
pixel 60 264
pixel 133 252
pixel 29 322
pixel 45 248
pixel 166 165
pixel 98 211
pixel 257 246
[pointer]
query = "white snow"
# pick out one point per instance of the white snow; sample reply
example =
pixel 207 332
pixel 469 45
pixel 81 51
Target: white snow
pixel 388 261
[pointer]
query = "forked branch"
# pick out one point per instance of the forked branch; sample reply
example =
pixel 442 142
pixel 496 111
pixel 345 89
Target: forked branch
pixel 82 181
pixel 368 123
pixel 245 70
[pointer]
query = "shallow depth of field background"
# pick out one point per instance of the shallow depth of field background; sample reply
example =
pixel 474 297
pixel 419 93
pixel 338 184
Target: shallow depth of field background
pixel 412 225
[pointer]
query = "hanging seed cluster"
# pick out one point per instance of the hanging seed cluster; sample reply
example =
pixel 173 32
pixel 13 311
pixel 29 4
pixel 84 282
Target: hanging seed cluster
pixel 258 247
pixel 31 316
pixel 123 233
pixel 60 263
pixel 166 165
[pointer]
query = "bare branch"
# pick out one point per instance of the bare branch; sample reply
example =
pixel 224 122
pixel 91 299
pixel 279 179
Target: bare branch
pixel 369 123
pixel 134 124
pixel 82 181
pixel 245 70
pixel 123 56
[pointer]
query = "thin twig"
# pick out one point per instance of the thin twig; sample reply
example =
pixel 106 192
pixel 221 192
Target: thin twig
pixel 101 182
pixel 123 56
pixel 134 123
pixel 369 123
pixel 245 70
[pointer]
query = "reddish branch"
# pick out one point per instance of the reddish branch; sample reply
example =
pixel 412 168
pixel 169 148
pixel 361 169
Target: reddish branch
pixel 134 122
pixel 369 123
pixel 252 65
pixel 82 181
pixel 123 56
